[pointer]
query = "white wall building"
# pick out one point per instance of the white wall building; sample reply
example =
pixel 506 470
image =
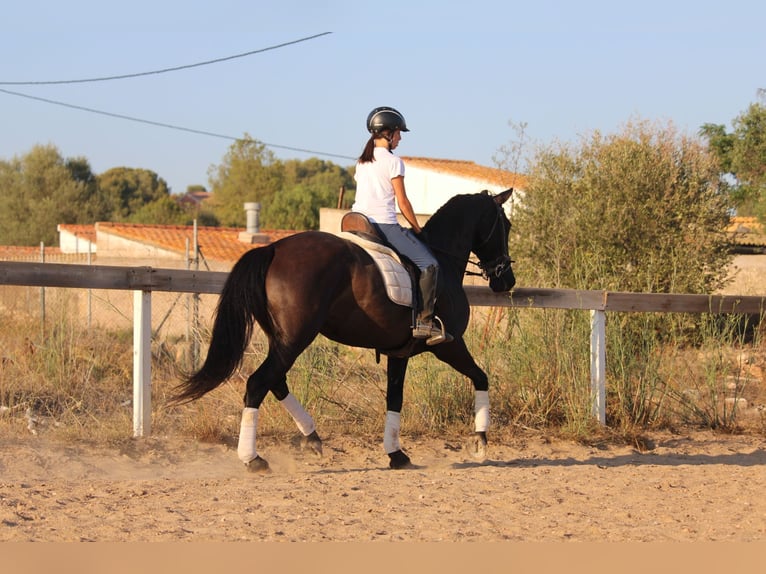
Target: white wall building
pixel 431 182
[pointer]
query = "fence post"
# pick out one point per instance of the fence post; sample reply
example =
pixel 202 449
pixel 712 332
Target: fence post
pixel 42 294
pixel 195 350
pixel 142 363
pixel 598 364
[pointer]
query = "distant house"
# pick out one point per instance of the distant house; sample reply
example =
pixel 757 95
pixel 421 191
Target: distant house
pixel 746 235
pixel 135 244
pixel 431 182
pixel 194 198
pixel 77 239
pixel 747 241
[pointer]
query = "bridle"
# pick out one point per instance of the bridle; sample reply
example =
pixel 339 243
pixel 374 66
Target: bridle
pixel 499 264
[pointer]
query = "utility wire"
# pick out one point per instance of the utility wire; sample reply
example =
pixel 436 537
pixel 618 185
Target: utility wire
pixel 169 126
pixel 164 70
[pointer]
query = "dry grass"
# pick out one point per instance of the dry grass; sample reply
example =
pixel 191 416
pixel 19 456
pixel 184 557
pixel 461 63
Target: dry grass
pixel 76 384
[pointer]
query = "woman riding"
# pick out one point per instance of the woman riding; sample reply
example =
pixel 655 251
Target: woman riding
pixel 379 188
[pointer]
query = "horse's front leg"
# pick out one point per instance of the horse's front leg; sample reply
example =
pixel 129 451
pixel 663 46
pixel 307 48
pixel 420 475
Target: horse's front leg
pixel 395 371
pixel 457 356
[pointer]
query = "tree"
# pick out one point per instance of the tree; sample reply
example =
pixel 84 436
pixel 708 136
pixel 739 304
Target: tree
pixel 249 172
pixel 130 190
pixel 742 155
pixel 640 210
pixel 42 189
pixel 290 192
pixel 309 185
pixel 163 211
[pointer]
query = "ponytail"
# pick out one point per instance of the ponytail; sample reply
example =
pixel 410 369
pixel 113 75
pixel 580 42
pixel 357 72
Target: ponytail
pixel 368 153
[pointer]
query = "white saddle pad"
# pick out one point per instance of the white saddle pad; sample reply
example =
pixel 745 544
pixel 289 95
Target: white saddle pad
pixel 395 276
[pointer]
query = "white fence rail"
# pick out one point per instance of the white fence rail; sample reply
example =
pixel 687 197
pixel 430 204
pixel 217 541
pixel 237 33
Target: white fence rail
pixel 143 280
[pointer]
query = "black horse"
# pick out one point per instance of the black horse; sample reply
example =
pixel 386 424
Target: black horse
pixel 315 282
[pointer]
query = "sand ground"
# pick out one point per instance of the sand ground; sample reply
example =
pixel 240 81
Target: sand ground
pixel 697 486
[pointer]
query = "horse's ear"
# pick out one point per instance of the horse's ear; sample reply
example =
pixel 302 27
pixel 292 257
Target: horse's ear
pixel 501 198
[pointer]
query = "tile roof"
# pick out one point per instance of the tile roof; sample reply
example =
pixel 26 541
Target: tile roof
pixel 746 231
pixel 468 169
pixel 216 243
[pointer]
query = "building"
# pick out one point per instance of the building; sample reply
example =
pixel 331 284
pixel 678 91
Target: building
pixel 748 270
pixel 431 182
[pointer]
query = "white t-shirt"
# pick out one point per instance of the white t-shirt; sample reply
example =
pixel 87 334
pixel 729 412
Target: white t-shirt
pixel 374 191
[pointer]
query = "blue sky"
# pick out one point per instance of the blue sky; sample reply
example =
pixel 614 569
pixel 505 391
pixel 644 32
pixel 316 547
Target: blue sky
pixel 459 71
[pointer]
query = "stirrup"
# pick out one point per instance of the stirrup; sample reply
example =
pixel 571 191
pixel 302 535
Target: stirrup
pixel 433 332
pixel 441 336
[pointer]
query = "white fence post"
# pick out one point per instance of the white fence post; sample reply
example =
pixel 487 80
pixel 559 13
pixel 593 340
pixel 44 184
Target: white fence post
pixel 142 363
pixel 598 364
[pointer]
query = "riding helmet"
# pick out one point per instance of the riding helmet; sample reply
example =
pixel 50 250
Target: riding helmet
pixel 385 118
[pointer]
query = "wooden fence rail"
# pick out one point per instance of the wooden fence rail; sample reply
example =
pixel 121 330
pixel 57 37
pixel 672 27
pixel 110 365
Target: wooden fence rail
pixel 143 280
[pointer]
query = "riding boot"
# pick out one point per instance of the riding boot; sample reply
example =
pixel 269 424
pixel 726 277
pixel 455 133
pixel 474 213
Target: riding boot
pixel 427 325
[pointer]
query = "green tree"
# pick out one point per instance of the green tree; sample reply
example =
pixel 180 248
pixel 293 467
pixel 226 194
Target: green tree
pixel 128 191
pixel 290 192
pixel 249 172
pixel 309 186
pixel 162 211
pixel 637 211
pixel 640 210
pixel 42 189
pixel 742 155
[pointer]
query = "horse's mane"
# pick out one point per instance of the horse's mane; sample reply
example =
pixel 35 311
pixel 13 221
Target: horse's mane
pixel 455 208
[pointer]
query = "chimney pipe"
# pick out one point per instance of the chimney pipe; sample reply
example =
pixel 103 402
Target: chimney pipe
pixel 253 215
pixel 252 233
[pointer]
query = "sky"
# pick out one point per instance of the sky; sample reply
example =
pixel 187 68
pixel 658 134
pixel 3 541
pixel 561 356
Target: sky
pixel 465 74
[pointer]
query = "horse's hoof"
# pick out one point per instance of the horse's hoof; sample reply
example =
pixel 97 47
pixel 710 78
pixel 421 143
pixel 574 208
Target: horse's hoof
pixel 312 443
pixel 399 460
pixel 258 465
pixel 477 446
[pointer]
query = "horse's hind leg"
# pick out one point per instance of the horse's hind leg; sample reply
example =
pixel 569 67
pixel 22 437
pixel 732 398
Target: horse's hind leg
pixel 271 375
pixel 303 419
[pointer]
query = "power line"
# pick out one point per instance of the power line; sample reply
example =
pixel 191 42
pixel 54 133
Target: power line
pixel 164 70
pixel 165 125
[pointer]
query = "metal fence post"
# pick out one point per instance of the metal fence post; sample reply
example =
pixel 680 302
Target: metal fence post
pixel 42 294
pixel 142 363
pixel 598 364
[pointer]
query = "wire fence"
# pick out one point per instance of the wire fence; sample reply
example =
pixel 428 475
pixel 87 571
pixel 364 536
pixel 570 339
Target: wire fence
pixel 180 321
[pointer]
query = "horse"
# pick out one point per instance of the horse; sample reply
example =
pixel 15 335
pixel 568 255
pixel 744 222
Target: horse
pixel 315 283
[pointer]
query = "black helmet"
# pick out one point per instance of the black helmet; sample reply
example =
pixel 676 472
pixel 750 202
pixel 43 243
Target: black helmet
pixel 385 118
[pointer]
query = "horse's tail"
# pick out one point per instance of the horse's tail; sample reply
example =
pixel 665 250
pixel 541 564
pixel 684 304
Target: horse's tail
pixel 242 302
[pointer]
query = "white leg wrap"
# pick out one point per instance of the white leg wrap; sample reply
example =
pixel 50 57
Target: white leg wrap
pixel 246 446
pixel 300 416
pixel 481 411
pixel 391 433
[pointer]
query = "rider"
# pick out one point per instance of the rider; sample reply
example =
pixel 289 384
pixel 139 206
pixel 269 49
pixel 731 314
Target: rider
pixel 379 187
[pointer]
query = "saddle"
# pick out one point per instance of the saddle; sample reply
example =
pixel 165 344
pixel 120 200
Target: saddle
pixel 398 279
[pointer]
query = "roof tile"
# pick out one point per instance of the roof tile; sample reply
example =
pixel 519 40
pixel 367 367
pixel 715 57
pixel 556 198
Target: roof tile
pixel 469 169
pixel 215 243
